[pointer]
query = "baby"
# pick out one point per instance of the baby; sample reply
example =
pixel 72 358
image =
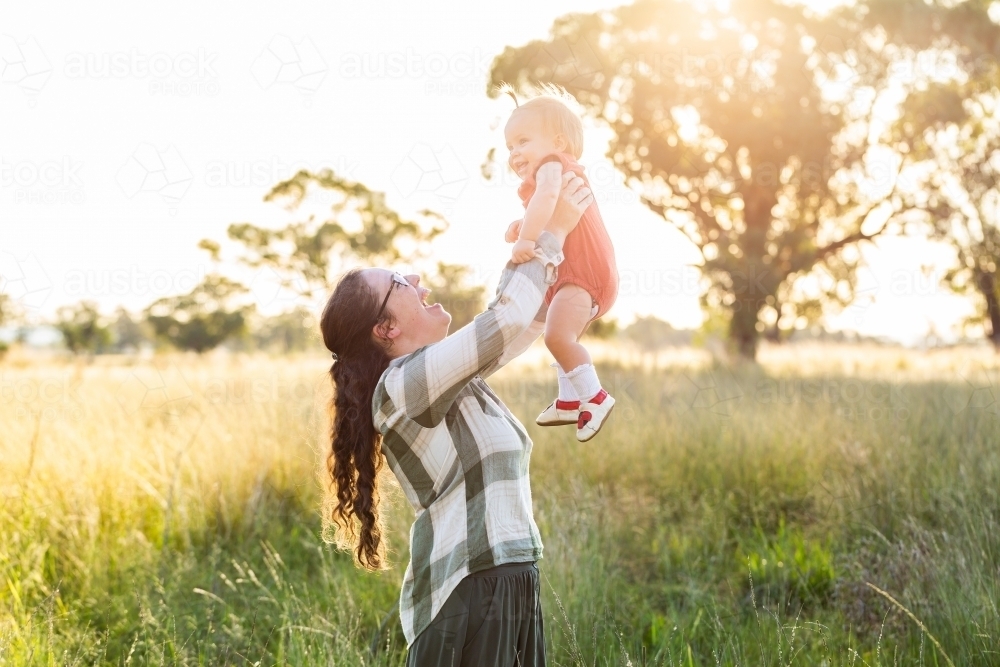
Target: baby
pixel 545 140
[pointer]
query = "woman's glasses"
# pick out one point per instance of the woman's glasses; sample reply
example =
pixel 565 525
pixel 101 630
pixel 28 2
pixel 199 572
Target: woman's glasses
pixel 397 279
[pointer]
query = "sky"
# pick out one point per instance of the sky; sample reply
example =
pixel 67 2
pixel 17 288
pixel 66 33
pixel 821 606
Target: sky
pixel 132 132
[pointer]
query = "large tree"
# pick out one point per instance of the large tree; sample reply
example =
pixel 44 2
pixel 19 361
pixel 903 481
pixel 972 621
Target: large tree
pixel 292 331
pixel 755 131
pixel 952 124
pixel 451 286
pixel 357 226
pixel 5 308
pixel 203 318
pixel 128 333
pixel 960 141
pixel 4 315
pixel 83 328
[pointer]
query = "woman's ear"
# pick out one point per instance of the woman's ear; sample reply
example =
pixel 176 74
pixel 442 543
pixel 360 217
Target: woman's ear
pixel 381 331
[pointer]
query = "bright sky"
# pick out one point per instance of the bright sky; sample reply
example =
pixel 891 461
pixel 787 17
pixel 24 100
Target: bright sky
pixel 132 132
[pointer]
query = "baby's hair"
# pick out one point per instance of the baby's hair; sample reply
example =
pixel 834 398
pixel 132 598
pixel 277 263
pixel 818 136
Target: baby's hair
pixel 553 104
pixel 507 89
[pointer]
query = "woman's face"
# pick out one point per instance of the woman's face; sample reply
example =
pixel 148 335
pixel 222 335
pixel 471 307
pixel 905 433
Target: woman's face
pixel 415 324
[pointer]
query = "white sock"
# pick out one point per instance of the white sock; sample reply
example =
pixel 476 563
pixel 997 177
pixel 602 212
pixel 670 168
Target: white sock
pixel 585 382
pixel 566 390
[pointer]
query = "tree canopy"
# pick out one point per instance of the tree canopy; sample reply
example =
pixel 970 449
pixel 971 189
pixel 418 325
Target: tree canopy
pixel 755 132
pixel 359 225
pixel 203 318
pixel 83 329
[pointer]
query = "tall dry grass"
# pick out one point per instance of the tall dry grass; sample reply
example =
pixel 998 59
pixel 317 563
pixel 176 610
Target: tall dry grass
pixel 164 511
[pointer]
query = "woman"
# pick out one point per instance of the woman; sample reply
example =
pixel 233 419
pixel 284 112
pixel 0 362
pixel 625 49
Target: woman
pixel 405 390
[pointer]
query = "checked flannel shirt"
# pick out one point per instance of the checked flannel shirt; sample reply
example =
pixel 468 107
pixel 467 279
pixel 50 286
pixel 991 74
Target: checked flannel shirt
pixel 459 454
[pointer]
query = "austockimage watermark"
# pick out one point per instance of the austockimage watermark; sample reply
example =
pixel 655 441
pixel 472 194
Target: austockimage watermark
pixel 271 290
pixel 24 280
pixel 181 74
pixel 606 182
pixel 266 172
pixel 980 392
pixel 255 391
pixel 718 392
pixel 44 182
pixel 427 171
pixel 132 280
pixel 839 63
pixel 567 62
pixel 444 73
pixel 285 62
pixel 23 63
pixel 151 170
pixel 852 399
pixel 47 398
pixel 154 387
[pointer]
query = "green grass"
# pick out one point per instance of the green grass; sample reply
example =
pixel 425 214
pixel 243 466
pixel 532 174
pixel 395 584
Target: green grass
pixel 166 513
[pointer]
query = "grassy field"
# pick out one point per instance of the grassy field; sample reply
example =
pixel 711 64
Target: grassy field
pixel 163 511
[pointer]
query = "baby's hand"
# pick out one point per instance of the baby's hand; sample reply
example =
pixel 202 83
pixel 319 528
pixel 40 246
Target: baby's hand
pixel 523 251
pixel 513 231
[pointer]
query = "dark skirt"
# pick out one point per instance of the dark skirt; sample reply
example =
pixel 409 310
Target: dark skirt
pixel 492 618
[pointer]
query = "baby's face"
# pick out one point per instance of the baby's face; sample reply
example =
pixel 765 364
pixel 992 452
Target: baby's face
pixel 528 142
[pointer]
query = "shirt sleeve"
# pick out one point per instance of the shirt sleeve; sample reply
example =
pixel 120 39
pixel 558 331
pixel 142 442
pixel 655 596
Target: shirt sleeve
pixel 427 381
pixel 523 341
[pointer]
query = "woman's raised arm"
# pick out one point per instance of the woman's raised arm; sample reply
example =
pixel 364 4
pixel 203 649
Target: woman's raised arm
pixel 428 380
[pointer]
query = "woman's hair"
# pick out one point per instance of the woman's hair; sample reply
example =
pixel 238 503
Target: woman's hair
pixel 552 105
pixel 350 509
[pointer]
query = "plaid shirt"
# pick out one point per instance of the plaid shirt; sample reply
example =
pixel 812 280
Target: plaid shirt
pixel 459 454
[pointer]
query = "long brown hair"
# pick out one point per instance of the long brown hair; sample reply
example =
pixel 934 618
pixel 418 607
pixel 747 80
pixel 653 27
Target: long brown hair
pixel 350 510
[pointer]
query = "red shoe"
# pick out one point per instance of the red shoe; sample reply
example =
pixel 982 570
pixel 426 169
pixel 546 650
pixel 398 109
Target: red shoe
pixel 559 413
pixel 593 413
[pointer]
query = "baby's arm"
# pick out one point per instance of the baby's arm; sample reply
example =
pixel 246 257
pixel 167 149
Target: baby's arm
pixel 548 182
pixel 512 231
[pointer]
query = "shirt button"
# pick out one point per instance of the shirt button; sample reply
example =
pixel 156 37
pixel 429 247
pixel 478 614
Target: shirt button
pixel 504 300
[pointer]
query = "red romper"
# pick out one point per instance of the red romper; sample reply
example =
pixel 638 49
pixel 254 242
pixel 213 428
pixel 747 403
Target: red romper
pixel 589 256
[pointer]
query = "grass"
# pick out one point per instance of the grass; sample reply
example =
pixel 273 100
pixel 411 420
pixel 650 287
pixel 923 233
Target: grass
pixel 826 507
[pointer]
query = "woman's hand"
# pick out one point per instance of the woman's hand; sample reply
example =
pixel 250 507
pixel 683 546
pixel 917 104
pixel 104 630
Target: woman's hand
pixel 574 198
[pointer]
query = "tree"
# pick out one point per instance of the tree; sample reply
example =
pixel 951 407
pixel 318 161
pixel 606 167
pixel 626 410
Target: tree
pixel 741 129
pixel 450 287
pixel 11 311
pixel 203 318
pixel 604 329
pixel 953 127
pixel 359 225
pixel 83 328
pixel 5 315
pixel 128 334
pixel 962 189
pixel 651 334
pixel 293 331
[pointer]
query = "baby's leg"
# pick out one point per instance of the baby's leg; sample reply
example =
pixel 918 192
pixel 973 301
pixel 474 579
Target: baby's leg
pixel 568 315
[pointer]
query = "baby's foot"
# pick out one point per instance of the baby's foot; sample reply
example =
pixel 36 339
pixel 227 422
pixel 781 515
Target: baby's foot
pixel 559 413
pixel 592 415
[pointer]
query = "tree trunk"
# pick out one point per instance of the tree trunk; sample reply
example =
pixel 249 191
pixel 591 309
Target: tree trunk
pixel 752 280
pixel 743 334
pixel 986 282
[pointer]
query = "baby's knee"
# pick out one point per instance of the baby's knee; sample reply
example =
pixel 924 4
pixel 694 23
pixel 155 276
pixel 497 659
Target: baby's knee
pixel 556 339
